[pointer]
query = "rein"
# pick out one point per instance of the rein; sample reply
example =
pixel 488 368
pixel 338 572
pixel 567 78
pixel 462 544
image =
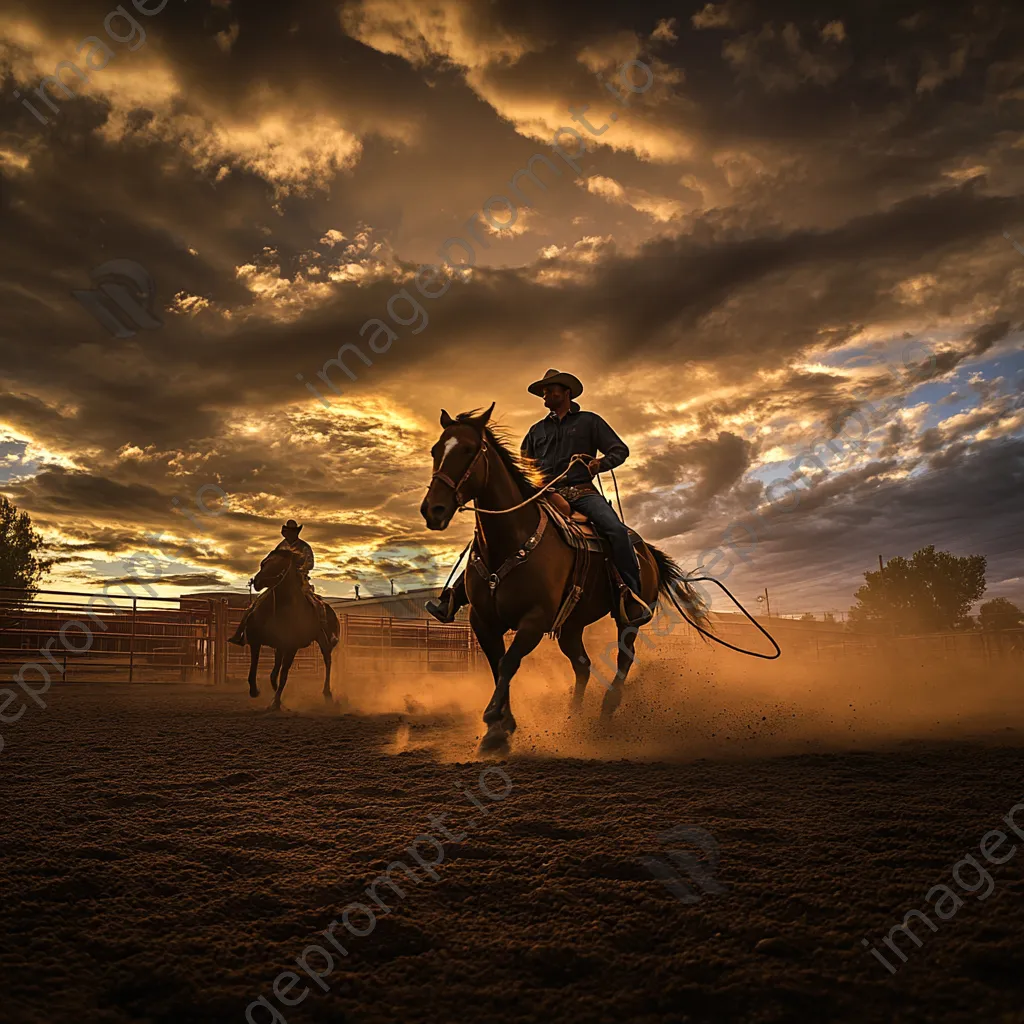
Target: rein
pixel 279 580
pixel 533 497
pixel 456 487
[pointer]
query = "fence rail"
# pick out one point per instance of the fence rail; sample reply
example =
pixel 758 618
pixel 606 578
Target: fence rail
pixel 372 642
pixel 102 636
pixel 431 646
pixel 108 636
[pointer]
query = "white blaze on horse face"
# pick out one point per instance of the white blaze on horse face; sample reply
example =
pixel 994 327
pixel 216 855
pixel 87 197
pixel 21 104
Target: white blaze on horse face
pixel 448 446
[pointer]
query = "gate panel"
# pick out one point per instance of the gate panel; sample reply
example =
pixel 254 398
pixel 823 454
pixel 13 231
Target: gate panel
pixel 102 636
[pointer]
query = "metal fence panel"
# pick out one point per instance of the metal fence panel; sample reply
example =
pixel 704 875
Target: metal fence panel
pixel 108 636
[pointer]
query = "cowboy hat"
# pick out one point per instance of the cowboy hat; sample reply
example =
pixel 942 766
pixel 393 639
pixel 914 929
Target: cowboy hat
pixel 567 380
pixel 291 525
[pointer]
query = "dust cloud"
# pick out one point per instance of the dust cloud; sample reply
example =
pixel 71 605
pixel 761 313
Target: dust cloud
pixel 687 699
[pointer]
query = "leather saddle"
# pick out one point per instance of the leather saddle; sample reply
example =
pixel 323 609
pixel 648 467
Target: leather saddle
pixel 576 529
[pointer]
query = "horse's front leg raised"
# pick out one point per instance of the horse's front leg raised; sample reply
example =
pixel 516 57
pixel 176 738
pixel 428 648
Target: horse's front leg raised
pixel 254 661
pixel 498 713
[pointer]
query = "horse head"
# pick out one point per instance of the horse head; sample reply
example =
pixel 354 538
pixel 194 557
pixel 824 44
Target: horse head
pixel 460 467
pixel 275 567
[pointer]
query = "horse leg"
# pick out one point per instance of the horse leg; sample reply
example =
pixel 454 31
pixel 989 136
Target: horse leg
pixel 254 661
pixel 613 697
pixel 571 645
pixel 491 641
pixel 276 669
pixel 498 713
pixel 325 650
pixel 286 663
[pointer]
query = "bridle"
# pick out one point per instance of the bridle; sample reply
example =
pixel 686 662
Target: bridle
pixel 481 451
pixel 280 579
pixel 439 473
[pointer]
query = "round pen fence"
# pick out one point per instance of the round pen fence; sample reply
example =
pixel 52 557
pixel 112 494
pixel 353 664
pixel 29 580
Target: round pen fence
pixel 104 636
pixel 369 643
pixel 109 637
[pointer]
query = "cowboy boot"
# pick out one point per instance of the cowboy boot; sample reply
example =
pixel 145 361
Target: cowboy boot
pixel 633 611
pixel 239 638
pixel 443 609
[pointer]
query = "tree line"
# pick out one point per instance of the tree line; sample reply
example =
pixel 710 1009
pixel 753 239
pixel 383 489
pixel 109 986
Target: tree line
pixel 930 592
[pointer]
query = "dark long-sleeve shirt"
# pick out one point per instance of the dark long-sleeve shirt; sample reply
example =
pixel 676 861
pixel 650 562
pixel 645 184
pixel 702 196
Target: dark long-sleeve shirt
pixel 302 548
pixel 552 442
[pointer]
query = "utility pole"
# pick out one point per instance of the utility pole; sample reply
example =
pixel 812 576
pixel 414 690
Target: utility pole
pixel 392 587
pixel 881 565
pixel 767 603
pixel 357 591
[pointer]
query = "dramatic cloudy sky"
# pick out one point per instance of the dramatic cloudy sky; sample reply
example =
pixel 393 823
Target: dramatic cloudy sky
pixel 746 253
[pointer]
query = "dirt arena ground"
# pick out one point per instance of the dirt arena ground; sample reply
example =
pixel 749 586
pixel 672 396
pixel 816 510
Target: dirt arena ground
pixel 169 850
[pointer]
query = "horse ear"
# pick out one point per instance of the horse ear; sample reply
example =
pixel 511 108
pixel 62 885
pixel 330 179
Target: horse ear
pixel 446 420
pixel 481 420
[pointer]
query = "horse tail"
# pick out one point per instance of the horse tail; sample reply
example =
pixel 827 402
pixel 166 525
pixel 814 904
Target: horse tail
pixel 674 582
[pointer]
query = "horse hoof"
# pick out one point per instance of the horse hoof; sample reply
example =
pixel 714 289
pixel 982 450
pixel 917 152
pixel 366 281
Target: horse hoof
pixel 328 697
pixel 275 705
pixel 611 702
pixel 254 691
pixel 495 741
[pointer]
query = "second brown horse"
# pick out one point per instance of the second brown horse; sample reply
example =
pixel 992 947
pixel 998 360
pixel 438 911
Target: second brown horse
pixel 473 463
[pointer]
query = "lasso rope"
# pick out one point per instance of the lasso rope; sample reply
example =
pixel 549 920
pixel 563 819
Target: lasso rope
pixel 711 636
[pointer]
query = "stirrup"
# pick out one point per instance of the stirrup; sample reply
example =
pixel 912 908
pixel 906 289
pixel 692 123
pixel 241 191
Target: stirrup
pixel 643 617
pixel 441 609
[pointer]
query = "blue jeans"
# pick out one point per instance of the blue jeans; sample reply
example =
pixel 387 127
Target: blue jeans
pixel 607 523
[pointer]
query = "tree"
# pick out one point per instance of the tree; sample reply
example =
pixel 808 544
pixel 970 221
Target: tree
pixel 20 566
pixel 932 591
pixel 999 613
pixel 808 617
pixel 829 617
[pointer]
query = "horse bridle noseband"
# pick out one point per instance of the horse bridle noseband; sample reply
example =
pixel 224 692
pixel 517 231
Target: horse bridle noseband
pixel 457 487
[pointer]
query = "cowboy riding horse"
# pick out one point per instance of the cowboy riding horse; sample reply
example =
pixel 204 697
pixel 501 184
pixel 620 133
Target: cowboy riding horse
pixel 552 443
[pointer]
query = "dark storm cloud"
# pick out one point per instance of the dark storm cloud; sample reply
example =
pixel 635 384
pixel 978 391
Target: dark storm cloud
pixel 715 465
pixel 838 170
pixel 985 338
pixel 174 579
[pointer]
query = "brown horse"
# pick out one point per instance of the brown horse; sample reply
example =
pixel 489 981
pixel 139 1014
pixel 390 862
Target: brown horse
pixel 472 462
pixel 285 620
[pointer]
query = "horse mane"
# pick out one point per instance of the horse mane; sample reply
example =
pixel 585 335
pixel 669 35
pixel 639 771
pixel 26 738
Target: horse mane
pixel 286 552
pixel 523 470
